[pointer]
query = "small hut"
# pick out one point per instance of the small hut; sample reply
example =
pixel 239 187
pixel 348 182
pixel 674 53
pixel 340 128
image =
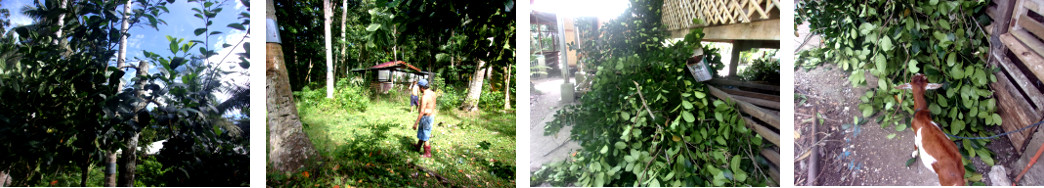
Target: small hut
pixel 392 74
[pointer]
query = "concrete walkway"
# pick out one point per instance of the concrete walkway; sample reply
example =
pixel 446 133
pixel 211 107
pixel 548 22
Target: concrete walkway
pixel 543 106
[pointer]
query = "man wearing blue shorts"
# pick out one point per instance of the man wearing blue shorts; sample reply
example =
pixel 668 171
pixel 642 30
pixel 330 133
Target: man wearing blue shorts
pixel 425 118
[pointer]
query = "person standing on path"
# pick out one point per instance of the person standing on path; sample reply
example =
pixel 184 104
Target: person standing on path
pixel 425 118
pixel 414 94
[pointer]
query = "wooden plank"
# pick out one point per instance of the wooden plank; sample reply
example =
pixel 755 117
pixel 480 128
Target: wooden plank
pixel 772 156
pixel 1020 79
pixel 765 132
pixel 731 82
pixel 1004 8
pixel 1030 5
pixel 774 173
pixel 1014 112
pixel 756 30
pixel 758 102
pixel 1034 62
pixel 752 94
pixel 1028 39
pixel 1031 25
pixel 761 114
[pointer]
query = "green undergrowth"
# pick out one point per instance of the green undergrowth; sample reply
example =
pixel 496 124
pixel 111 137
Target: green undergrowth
pixel 373 148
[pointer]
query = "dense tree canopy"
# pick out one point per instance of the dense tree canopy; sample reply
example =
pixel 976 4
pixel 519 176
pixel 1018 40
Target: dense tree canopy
pixel 64 109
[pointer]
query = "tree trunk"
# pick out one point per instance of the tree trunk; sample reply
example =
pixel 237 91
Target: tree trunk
pixel 61 22
pixel 85 171
pixel 121 56
pixel 288 145
pixel 110 169
pixel 507 86
pixel 129 162
pixel 344 40
pixel 475 88
pixel 327 13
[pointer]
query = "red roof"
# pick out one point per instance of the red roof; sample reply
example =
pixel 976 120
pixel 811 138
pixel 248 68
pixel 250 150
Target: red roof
pixel 395 63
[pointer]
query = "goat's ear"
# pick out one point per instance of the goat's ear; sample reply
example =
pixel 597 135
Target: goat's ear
pixel 904 86
pixel 933 86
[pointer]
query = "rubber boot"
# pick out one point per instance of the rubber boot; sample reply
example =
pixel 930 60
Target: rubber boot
pixel 427 152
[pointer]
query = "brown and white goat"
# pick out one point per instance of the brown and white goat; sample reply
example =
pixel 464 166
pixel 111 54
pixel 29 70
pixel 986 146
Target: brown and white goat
pixel 938 153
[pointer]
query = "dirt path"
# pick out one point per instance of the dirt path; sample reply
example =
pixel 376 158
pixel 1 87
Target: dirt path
pixel 852 154
pixel 544 103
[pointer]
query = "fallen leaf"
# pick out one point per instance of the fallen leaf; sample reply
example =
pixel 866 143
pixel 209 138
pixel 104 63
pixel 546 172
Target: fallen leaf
pixel 305 174
pixel 54 182
pixel 337 186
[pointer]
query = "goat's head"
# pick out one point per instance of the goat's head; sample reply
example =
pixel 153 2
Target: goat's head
pixel 919 80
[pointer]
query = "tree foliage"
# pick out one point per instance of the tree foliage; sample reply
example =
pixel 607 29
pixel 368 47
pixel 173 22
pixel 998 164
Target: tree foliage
pixel 646 122
pixel 892 41
pixel 63 110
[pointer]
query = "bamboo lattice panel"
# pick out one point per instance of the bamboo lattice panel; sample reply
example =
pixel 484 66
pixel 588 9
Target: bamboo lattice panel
pixel 678 14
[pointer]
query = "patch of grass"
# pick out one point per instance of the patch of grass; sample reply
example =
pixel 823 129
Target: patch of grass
pixel 375 148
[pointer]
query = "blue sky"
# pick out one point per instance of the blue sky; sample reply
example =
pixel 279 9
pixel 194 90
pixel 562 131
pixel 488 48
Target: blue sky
pixel 180 24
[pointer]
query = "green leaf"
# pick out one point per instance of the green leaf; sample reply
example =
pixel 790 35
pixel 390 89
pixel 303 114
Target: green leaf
pixel 886 43
pixel 373 27
pixel 913 66
pixel 620 145
pixel 957 72
pixel 604 149
pixel 687 105
pixel 890 136
pixel 700 94
pixel 951 59
pixel 688 116
pixel 200 31
pixel 736 159
pixel 996 119
pixel 866 28
pixel 625 115
pixel 240 27
pixel 956 126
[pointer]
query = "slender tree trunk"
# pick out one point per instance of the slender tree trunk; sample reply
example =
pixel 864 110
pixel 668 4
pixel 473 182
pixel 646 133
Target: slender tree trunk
pixel 61 22
pixel 344 40
pixel 288 145
pixel 475 88
pixel 327 13
pixel 130 152
pixel 110 169
pixel 308 74
pixel 85 171
pixel 121 56
pixel 507 86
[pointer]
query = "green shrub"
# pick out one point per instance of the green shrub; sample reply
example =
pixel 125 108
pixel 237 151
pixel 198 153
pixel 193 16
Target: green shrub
pixel 352 95
pixel 763 68
pixel 492 100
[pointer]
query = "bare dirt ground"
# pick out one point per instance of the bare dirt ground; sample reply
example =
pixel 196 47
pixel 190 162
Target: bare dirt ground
pixel 851 154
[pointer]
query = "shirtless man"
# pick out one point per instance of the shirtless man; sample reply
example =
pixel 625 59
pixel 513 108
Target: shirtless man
pixel 414 94
pixel 425 118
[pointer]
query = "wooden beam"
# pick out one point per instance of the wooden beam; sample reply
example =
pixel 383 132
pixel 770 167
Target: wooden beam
pixel 772 156
pixel 1020 79
pixel 731 82
pixel 1029 40
pixel 758 102
pixel 737 92
pixel 774 173
pixel 1014 111
pixel 1033 61
pixel 748 108
pixel 765 132
pixel 755 30
pixel 1031 25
